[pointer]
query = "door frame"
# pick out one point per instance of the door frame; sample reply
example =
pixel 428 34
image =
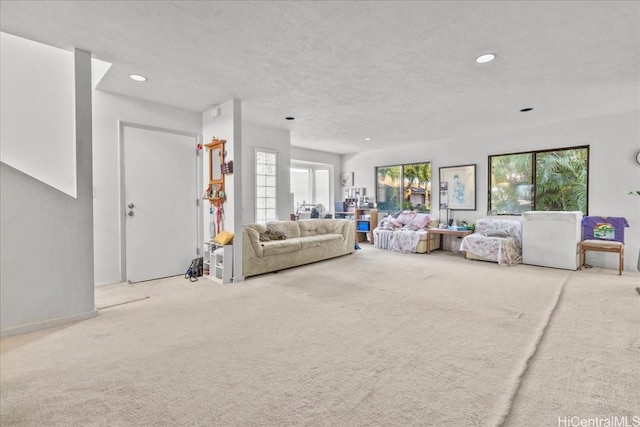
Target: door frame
pixel 121 177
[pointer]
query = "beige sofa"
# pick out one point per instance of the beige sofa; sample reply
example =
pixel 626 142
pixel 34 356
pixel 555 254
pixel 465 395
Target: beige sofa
pixel 306 241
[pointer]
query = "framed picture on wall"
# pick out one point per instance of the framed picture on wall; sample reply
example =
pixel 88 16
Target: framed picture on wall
pixel 458 187
pixel 347 179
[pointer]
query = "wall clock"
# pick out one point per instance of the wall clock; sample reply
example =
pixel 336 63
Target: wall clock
pixel 638 157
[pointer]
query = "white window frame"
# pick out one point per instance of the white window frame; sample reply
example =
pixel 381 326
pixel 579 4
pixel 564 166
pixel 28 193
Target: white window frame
pixel 312 168
pixel 275 198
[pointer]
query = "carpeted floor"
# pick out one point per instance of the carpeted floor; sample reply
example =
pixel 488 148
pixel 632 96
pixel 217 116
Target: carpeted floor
pixel 371 339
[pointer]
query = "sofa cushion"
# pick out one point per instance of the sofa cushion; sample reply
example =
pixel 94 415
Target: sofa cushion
pixel 278 247
pixel 319 240
pixel 313 228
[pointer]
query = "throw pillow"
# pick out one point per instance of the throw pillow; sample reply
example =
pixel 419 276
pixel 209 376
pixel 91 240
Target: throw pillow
pixel 223 237
pixel 272 234
pixel 406 216
pixel 421 220
pixel 264 237
pixel 395 222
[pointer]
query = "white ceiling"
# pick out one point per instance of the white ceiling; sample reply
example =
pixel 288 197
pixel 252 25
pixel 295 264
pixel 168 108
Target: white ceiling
pixel 399 72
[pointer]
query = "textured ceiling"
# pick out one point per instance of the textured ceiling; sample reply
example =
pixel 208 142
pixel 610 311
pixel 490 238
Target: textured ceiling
pixel 398 72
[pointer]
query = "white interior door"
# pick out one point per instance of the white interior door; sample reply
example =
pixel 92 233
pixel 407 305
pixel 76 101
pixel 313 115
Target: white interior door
pixel 160 193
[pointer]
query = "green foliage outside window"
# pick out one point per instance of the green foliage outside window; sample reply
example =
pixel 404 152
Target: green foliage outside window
pixel 561 180
pixel 388 188
pixel 511 183
pixel 553 180
pixel 404 187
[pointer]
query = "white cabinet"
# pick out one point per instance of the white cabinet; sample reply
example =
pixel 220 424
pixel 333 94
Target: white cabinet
pixel 218 262
pixel 551 239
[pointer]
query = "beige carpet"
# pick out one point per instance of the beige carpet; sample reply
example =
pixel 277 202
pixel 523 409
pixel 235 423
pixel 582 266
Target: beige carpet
pixel 374 338
pixel 108 296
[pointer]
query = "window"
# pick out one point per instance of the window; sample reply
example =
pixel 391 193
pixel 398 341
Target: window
pixel 310 184
pixel 321 187
pixel 266 183
pixel 404 187
pixel 300 186
pixel 549 180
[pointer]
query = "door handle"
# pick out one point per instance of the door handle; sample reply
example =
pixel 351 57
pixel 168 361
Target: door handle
pixel 131 205
pixel 130 213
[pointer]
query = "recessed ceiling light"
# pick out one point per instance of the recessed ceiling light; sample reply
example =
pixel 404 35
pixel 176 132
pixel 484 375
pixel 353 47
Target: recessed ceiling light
pixel 137 77
pixel 367 139
pixel 487 57
pixel 289 118
pixel 524 110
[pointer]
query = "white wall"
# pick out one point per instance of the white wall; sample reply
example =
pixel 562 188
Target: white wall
pixel 108 110
pixel 278 140
pixel 613 142
pixel 37 111
pixel 46 250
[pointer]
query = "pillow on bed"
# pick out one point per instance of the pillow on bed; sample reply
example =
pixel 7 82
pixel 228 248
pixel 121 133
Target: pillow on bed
pixel 406 216
pixel 394 222
pixel 389 224
pixel 421 220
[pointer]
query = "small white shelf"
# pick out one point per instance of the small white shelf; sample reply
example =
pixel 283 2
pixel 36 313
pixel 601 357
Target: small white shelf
pixel 218 262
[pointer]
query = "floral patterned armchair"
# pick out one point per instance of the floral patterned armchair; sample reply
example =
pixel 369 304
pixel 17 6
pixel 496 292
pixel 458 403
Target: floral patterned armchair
pixel 497 240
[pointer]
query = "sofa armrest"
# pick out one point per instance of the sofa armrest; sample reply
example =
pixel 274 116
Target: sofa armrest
pixel 342 227
pixel 251 239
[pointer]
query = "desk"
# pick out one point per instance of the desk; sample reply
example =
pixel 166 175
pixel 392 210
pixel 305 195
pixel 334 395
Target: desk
pixel 442 232
pixel 345 214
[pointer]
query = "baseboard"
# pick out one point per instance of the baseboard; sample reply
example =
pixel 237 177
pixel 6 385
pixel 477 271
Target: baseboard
pixel 111 283
pixel 32 327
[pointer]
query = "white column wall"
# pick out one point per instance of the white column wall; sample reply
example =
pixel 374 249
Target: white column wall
pixel 46 250
pixel 225 122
